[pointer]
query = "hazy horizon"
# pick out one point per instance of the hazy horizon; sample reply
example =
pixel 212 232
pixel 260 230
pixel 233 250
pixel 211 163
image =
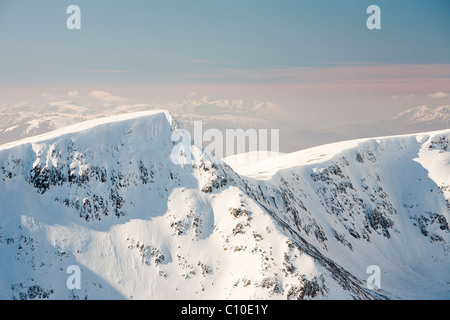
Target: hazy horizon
pixel 317 61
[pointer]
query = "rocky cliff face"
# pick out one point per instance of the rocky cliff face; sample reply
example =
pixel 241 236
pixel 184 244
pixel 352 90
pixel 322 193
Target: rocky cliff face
pixel 107 197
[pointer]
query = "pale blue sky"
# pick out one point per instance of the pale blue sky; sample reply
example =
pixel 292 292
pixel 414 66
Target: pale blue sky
pixel 156 41
pixel 313 55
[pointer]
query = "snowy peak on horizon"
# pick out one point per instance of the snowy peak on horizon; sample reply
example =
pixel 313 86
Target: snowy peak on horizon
pixel 106 196
pixel 296 133
pixel 425 115
pixel 210 106
pixel 27 119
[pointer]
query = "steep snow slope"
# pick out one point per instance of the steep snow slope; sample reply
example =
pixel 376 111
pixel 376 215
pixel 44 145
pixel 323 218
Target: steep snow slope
pixel 381 202
pixel 105 195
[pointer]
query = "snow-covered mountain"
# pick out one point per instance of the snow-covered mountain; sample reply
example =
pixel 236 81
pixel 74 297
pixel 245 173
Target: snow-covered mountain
pixel 418 119
pixel 425 117
pixel 27 119
pixel 382 201
pixel 106 195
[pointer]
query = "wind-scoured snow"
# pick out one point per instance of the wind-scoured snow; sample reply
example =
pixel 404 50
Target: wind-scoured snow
pixel 105 195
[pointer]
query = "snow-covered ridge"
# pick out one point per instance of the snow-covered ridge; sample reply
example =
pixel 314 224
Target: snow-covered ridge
pixel 105 196
pixel 375 197
pixel 252 166
pixel 86 125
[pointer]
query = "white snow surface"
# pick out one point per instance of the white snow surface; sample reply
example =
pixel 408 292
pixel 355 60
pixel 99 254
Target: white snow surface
pixel 104 195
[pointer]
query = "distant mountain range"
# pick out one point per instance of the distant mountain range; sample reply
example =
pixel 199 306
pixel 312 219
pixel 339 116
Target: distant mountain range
pixel 425 117
pixel 26 120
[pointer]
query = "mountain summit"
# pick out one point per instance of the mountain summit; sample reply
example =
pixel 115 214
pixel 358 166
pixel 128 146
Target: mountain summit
pixel 106 196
